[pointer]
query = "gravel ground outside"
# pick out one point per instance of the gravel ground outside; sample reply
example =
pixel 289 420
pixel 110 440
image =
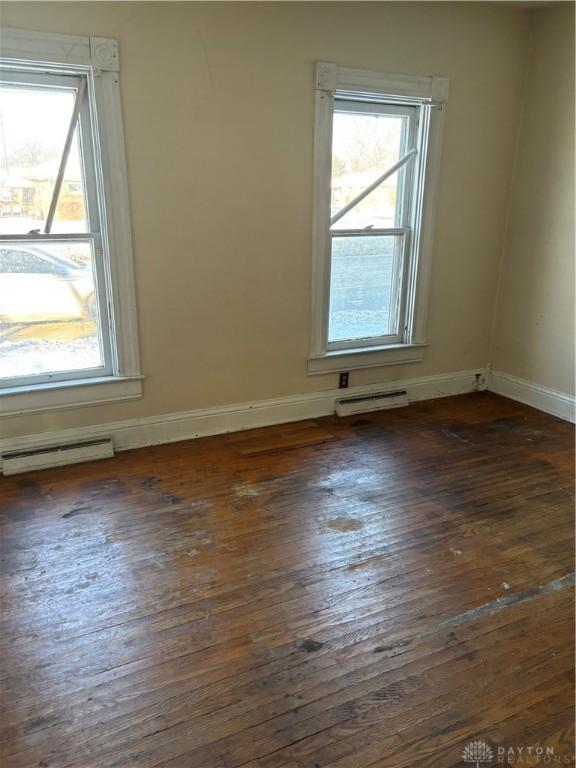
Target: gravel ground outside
pixel 33 356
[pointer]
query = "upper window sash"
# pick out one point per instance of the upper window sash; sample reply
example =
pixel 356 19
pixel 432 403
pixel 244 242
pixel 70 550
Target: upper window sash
pixel 12 76
pixel 404 164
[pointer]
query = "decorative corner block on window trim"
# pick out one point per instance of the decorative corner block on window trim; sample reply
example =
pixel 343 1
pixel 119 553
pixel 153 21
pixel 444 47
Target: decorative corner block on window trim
pixel 104 54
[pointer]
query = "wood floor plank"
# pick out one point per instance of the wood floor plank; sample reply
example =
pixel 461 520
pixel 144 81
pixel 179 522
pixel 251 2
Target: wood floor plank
pixel 370 591
pixel 255 442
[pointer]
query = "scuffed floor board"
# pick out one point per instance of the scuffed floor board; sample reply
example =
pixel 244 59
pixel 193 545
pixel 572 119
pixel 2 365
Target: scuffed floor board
pixel 284 437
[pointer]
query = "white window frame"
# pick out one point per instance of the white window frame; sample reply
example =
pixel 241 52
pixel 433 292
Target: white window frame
pixel 429 95
pixel 97 60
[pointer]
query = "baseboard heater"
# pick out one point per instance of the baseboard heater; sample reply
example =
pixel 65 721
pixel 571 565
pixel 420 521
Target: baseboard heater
pixel 376 401
pixel 56 456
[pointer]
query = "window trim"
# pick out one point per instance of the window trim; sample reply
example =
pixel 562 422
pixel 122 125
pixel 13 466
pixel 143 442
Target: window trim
pixel 98 59
pixel 332 80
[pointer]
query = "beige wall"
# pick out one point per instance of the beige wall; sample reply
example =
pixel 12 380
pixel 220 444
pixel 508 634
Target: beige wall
pixel 534 323
pixel 218 109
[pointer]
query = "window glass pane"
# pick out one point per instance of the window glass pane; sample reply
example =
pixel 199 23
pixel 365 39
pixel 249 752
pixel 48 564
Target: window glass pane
pixel 33 127
pixel 48 309
pixel 363 285
pixel 364 146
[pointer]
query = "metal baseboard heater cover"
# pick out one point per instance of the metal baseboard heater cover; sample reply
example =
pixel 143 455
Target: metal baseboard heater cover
pixel 377 401
pixel 56 456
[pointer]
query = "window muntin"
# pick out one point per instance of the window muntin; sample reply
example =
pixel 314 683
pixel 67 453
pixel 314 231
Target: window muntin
pixel 369 242
pixel 52 327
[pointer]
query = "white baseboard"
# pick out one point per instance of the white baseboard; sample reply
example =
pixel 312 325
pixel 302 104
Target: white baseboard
pixel 172 427
pixel 543 398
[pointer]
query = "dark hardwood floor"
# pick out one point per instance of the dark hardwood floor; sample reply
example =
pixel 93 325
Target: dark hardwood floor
pixel 373 591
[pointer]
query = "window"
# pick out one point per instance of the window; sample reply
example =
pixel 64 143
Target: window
pixel 377 146
pixel 67 310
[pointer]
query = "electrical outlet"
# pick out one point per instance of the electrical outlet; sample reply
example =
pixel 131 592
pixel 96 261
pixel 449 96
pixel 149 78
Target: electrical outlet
pixel 343 380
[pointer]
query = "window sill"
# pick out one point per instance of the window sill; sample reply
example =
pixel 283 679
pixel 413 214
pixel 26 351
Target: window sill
pixel 350 359
pixel 69 394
